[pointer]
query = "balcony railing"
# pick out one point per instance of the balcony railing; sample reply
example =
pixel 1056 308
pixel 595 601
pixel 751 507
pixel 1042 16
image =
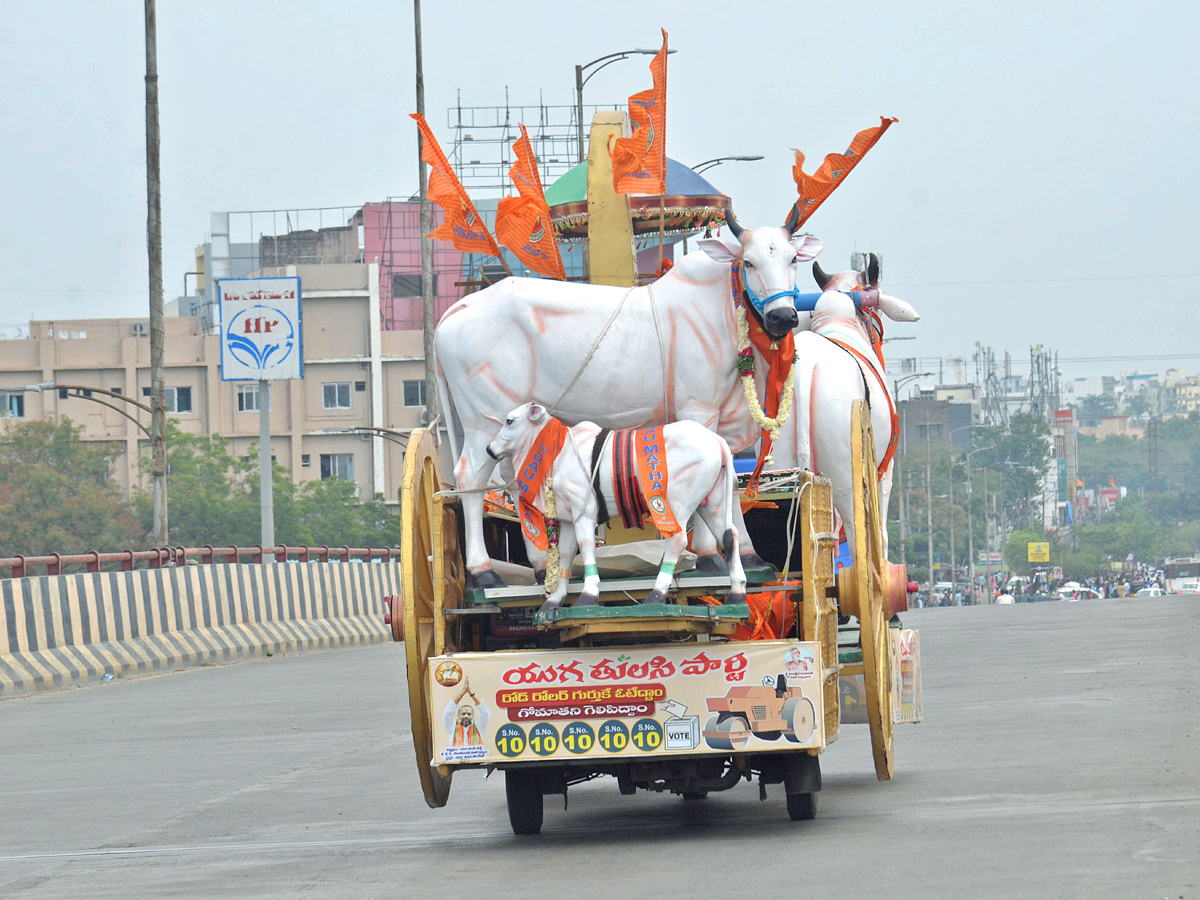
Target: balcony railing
pixel 127 560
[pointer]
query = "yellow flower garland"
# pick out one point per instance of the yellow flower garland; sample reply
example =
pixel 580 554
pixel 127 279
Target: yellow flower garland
pixel 552 561
pixel 771 426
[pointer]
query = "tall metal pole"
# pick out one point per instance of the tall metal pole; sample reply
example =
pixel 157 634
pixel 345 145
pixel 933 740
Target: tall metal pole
pixel 579 107
pixel 428 323
pixel 158 412
pixel 971 535
pixel 987 541
pixel 953 567
pixel 266 485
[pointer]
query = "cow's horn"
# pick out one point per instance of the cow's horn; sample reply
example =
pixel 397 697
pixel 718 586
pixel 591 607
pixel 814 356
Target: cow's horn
pixel 820 276
pixel 872 270
pixel 793 220
pixel 731 221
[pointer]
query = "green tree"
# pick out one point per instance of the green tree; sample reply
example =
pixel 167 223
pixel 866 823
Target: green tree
pixel 56 495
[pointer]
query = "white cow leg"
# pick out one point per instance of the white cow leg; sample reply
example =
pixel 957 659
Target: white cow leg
pixel 566 555
pixel 472 477
pixel 713 515
pixel 708 554
pixel 585 536
pixel 675 546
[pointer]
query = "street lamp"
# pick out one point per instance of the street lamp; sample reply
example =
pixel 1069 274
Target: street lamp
pixel 84 392
pixel 580 80
pixel 713 163
pixel 950 457
pixel 971 520
pixel 929 492
pixel 903 449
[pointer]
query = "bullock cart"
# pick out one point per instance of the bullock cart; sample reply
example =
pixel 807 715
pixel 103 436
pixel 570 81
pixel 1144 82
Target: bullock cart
pixel 665 697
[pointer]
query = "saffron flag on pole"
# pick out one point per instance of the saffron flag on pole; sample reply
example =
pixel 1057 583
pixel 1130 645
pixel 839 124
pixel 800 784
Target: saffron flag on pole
pixel 523 222
pixel 816 187
pixel 463 227
pixel 640 162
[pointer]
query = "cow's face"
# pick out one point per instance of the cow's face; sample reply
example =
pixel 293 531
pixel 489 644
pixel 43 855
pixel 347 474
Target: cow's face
pixel 893 307
pixel 519 429
pixel 770 260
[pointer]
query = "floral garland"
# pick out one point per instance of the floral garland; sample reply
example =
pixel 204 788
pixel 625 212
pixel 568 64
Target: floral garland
pixel 745 365
pixel 552 561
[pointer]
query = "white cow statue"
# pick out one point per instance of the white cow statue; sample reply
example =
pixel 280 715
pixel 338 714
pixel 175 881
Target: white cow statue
pixel 836 365
pixel 618 357
pixel 700 481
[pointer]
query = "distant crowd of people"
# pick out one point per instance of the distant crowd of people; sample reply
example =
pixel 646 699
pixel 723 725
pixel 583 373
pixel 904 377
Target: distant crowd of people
pixel 1005 588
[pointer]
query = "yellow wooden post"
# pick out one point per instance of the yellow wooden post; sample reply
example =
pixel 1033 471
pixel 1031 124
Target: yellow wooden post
pixel 610 228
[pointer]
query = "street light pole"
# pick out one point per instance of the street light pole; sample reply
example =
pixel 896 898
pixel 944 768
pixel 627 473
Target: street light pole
pixel 158 416
pixel 713 163
pixel 971 523
pixel 929 492
pixel 900 460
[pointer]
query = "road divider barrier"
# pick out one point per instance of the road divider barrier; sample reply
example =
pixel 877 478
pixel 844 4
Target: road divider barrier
pixel 59 631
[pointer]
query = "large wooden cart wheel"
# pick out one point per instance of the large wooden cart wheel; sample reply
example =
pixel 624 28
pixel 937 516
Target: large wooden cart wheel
pixel 863 590
pixel 424 523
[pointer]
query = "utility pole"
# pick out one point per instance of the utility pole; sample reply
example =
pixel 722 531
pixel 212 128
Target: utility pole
pixel 929 491
pixel 158 412
pixel 427 312
pixel 953 568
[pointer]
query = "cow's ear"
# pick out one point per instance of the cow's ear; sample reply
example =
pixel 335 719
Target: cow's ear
pixel 718 251
pixel 536 412
pixel 807 246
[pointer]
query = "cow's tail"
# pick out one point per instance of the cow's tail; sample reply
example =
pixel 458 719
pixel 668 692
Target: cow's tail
pixel 728 489
pixel 446 404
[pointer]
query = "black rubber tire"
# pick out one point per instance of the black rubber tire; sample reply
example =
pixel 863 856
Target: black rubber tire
pixel 694 795
pixel 802 807
pixel 523 791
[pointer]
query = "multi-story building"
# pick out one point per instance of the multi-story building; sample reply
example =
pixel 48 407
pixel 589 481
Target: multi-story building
pixel 355 374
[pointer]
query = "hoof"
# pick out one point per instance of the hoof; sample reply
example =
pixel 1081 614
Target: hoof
pixel 586 599
pixel 713 565
pixel 752 560
pixel 549 606
pixel 539 576
pixel 485 579
pixel 735 599
pixel 656 596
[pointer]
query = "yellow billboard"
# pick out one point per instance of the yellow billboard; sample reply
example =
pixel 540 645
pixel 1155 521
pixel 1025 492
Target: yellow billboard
pixel 1038 551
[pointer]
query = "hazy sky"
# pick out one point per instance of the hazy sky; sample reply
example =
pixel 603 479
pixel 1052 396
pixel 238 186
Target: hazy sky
pixel 1040 186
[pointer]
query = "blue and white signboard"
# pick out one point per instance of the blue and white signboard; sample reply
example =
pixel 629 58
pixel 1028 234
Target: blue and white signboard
pixel 260 329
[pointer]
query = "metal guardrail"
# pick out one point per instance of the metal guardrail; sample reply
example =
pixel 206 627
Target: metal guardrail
pixel 160 557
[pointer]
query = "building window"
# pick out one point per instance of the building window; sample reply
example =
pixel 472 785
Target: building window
pixel 306 460
pixel 935 431
pixel 336 395
pixel 414 393
pixel 408 285
pixel 177 399
pixel 337 465
pixel 247 398
pixel 12 406
pixel 360 387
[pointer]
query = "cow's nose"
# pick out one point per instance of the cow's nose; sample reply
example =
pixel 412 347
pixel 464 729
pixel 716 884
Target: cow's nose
pixel 491 453
pixel 779 322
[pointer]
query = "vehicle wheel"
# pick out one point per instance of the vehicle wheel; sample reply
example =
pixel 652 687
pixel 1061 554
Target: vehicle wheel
pixel 802 807
pixel 694 795
pixel 727 723
pixel 523 791
pixel 801 717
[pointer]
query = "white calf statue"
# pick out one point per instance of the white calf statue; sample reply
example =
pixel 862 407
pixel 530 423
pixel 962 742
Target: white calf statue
pixel 619 357
pixel 685 465
pixel 835 366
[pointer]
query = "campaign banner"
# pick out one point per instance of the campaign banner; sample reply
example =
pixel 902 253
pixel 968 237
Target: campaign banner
pixel 622 702
pixel 260 329
pixel 904 645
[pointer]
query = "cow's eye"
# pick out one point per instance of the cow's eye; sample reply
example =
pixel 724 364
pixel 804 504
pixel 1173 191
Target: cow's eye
pixel 508 421
pixel 749 265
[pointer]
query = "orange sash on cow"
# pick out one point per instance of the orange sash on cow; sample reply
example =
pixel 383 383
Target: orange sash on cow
pixel 532 475
pixel 652 476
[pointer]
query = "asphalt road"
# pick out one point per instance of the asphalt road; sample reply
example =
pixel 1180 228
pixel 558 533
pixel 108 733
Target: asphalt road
pixel 1059 757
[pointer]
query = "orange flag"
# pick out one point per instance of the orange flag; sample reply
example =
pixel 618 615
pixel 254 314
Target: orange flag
pixel 640 161
pixel 464 226
pixel 816 187
pixel 523 222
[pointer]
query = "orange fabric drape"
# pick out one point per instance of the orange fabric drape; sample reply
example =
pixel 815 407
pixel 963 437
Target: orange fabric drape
pixel 640 162
pixel 815 188
pixel 523 222
pixel 772 615
pixel 464 226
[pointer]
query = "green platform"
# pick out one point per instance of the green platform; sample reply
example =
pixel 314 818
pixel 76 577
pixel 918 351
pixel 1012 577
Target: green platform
pixel 737 612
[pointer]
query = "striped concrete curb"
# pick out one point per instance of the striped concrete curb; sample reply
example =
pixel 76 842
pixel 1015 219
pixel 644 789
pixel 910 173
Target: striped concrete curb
pixel 60 631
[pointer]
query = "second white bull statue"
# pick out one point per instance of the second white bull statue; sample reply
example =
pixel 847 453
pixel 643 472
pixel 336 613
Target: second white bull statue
pixel 672 472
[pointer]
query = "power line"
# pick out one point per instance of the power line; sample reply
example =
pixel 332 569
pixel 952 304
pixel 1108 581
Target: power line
pixel 1037 280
